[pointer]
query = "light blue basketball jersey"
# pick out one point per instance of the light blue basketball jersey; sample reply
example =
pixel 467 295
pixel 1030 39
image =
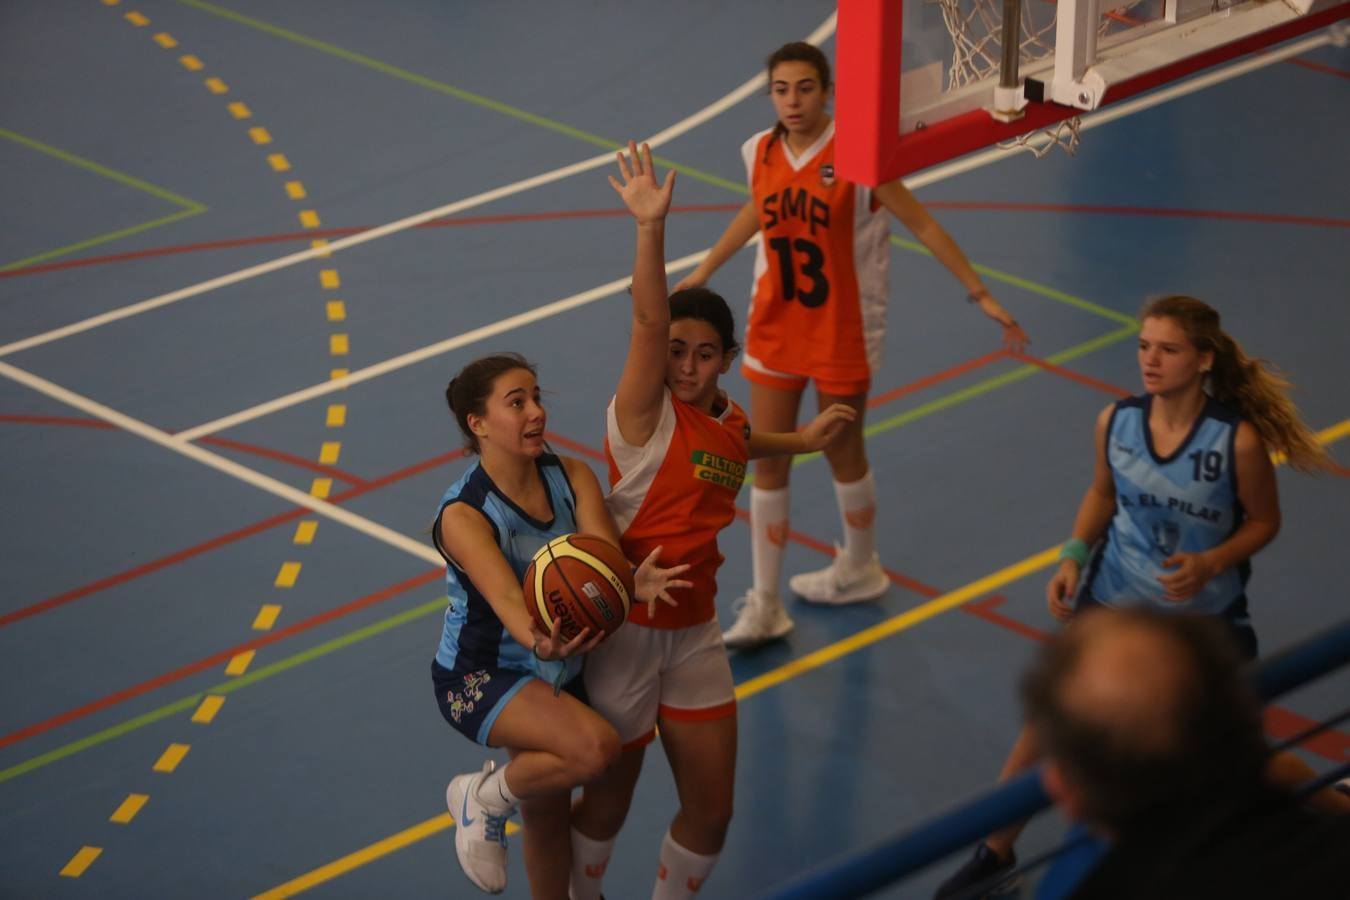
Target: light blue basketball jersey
pixel 1184 503
pixel 473 636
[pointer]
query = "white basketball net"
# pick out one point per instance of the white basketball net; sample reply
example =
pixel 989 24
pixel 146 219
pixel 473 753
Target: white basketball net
pixel 976 27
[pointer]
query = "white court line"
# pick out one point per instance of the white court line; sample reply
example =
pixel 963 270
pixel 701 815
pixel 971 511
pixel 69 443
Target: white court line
pixel 431 350
pixel 178 445
pixel 931 176
pixel 681 127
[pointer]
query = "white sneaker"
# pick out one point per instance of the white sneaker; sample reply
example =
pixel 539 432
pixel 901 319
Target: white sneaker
pixel 760 618
pixel 480 831
pixel 839 583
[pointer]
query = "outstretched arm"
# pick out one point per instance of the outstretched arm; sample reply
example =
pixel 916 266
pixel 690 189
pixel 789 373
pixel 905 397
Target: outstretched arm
pixel 637 402
pixel 742 228
pixel 913 215
pixel 822 432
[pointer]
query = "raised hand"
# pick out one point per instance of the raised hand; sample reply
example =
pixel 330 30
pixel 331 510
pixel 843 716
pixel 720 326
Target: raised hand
pixel 645 199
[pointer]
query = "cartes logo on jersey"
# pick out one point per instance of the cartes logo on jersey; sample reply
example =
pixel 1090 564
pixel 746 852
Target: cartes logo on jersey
pixel 827 175
pixel 1165 537
pixel 718 469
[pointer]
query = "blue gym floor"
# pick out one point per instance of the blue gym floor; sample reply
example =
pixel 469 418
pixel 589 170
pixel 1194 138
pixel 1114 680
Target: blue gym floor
pixel 154 561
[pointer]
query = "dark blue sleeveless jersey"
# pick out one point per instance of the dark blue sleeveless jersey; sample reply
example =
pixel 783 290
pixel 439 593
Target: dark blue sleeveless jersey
pixel 1184 503
pixel 473 637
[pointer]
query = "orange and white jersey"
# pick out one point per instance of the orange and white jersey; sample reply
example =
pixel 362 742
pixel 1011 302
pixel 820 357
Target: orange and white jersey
pixel 818 307
pixel 677 492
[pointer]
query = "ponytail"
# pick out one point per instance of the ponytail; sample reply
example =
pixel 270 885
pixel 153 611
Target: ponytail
pixel 1255 388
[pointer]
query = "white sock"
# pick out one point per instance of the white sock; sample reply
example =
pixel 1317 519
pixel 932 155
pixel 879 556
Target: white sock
pixel 858 512
pixel 494 793
pixel 768 534
pixel 589 859
pixel 682 872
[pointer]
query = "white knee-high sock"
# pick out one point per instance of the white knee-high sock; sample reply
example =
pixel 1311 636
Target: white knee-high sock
pixel 681 872
pixel 768 534
pixel 858 512
pixel 589 859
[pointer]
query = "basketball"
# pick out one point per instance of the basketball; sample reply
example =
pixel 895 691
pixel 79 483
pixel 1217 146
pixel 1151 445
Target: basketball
pixel 581 580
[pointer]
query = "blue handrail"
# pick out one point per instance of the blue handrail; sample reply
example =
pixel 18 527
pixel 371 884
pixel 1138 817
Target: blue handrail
pixel 861 872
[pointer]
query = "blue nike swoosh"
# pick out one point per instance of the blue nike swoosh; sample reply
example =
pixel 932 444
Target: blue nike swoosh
pixel 464 810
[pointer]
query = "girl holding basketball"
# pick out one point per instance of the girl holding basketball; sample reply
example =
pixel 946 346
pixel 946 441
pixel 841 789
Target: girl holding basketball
pixel 501 681
pixel 677 449
pixel 1183 494
pixel 817 313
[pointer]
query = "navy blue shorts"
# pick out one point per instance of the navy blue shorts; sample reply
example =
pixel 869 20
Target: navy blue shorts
pixel 1235 618
pixel 471 700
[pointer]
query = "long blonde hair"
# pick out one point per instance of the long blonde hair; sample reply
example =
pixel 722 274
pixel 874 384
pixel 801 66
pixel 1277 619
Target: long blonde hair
pixel 1253 387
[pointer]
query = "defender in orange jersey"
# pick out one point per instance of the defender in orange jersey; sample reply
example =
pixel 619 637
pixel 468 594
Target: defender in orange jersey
pixel 817 313
pixel 678 449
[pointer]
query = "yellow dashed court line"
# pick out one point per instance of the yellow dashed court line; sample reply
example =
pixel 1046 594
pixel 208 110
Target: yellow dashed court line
pixel 136 19
pixel 279 162
pixel 111 2
pixel 239 663
pixel 295 190
pixel 171 757
pixel 337 415
pixel 165 40
pixel 290 571
pixel 337 311
pixel 216 86
pixel 191 63
pixel 240 110
pixel 82 860
pixel 267 617
pixel 259 135
pixel 318 243
pixel 309 218
pixel 328 278
pixel 335 374
pixel 207 709
pixel 321 488
pixel 304 532
pixel 130 806
pixel 337 344
pixel 329 452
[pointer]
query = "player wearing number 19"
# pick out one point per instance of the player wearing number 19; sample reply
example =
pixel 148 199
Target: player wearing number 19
pixel 1183 494
pixel 817 313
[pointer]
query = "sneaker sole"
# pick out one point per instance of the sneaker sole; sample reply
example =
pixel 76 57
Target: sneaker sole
pixel 747 643
pixel 846 597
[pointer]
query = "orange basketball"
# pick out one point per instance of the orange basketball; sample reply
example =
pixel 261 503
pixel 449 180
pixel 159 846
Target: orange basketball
pixel 581 580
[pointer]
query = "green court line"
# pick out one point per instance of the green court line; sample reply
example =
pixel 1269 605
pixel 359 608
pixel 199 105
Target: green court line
pixel 227 687
pixel 1028 285
pixel 440 87
pixel 983 387
pixel 188 207
pixel 101 239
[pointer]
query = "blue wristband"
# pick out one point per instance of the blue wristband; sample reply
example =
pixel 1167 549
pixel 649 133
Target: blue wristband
pixel 1076 550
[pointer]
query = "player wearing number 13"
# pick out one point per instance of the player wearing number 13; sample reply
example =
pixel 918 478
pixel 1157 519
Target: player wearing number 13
pixel 817 313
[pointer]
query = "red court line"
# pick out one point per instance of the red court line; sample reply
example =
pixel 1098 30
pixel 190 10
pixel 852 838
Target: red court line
pixel 165 562
pixel 1070 374
pixel 216 659
pixel 306 236
pixel 1156 211
pixel 936 378
pixel 984 609
pixel 1280 723
pixel 1318 67
pixel 252 449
